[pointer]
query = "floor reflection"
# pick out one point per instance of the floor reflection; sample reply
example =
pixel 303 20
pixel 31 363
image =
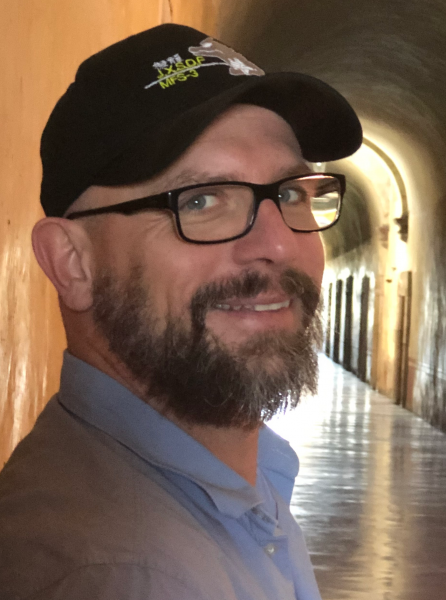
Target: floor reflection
pixel 371 492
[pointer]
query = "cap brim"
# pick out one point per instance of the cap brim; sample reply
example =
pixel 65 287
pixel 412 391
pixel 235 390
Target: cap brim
pixel 326 126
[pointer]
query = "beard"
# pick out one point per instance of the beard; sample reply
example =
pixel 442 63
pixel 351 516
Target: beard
pixel 188 372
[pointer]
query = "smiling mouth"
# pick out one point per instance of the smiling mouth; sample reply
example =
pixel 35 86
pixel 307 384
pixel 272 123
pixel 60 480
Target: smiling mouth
pixel 254 307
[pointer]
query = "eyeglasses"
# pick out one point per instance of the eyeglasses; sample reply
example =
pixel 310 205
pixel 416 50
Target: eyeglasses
pixel 211 213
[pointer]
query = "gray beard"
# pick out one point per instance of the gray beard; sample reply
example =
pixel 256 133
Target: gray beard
pixel 193 375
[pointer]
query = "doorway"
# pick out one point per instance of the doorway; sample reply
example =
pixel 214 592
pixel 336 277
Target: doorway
pixel 348 323
pixel 363 329
pixel 328 324
pixel 337 324
pixel 402 337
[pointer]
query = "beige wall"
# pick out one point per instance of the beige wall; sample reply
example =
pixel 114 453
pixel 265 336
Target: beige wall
pixel 42 43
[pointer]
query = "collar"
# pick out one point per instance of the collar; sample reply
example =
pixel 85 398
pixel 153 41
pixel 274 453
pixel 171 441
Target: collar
pixel 107 405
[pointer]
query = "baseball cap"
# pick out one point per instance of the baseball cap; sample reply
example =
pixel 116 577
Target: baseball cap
pixel 137 105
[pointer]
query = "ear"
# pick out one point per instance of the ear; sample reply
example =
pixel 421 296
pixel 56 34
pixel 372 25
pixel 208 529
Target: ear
pixel 63 251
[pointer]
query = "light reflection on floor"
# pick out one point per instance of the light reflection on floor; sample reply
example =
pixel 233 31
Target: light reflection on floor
pixel 371 492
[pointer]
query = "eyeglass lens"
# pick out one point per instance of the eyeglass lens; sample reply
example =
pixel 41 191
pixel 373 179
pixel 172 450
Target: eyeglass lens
pixel 221 211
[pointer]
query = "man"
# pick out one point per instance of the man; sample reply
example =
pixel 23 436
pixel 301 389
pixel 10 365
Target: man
pixel 182 236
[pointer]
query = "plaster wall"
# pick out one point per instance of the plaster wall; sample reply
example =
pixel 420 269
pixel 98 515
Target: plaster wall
pixel 417 162
pixel 42 44
pixel 387 257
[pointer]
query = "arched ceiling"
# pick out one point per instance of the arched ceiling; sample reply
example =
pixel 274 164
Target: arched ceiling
pixel 388 57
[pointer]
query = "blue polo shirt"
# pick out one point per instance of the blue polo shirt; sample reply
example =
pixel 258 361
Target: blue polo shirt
pixel 108 500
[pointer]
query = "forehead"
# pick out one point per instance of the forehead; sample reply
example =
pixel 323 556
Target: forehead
pixel 234 146
pixel 248 125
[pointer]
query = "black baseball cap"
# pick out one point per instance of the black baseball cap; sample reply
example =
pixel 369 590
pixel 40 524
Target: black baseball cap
pixel 137 105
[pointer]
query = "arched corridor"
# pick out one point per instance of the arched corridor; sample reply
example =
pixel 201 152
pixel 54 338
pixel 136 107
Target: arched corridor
pixel 385 280
pixel 371 492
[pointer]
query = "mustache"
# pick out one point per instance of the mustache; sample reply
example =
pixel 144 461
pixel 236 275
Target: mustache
pixel 251 283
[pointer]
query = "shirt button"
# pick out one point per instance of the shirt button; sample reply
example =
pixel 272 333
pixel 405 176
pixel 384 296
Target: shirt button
pixel 270 549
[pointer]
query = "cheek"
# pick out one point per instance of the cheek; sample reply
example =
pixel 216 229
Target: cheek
pixel 312 257
pixel 175 274
pixel 111 251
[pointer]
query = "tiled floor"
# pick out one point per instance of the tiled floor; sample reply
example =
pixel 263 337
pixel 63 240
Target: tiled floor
pixel 371 493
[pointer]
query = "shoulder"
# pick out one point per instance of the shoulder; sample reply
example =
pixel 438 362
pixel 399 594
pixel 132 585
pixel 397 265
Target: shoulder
pixel 76 505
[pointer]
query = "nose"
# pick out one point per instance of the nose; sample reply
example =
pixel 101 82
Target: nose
pixel 270 240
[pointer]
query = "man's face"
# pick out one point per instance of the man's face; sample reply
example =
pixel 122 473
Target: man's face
pixel 243 305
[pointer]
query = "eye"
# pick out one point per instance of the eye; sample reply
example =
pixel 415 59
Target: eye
pixel 199 202
pixel 290 195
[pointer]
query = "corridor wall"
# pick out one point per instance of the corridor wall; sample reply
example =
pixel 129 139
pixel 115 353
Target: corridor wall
pixel 42 44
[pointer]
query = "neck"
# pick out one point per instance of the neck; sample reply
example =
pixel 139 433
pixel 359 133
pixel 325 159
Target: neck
pixel 235 447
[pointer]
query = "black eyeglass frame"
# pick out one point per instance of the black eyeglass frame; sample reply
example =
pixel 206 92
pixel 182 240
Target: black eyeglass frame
pixel 169 201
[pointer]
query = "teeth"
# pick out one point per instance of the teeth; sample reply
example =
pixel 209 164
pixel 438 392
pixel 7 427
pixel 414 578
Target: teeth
pixel 255 307
pixel 277 306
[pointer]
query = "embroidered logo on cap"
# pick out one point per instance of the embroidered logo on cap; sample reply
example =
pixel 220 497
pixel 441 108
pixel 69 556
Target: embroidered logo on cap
pixel 174 69
pixel 238 64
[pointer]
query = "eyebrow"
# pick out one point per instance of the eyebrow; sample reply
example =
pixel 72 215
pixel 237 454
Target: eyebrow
pixel 190 177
